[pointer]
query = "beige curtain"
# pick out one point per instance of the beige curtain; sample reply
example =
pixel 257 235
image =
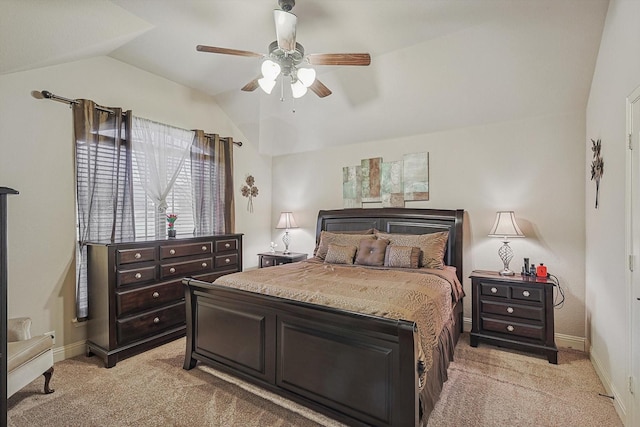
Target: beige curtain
pixel 104 195
pixel 212 181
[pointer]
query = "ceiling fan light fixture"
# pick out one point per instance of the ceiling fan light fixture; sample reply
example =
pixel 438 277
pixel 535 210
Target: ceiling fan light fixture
pixel 270 69
pixel 307 76
pixel 266 84
pixel 298 89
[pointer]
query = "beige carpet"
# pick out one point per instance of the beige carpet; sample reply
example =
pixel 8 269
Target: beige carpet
pixel 486 387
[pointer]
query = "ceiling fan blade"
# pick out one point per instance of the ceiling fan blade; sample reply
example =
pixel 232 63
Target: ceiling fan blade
pixel 339 59
pixel 225 51
pixel 285 30
pixel 251 86
pixel 319 89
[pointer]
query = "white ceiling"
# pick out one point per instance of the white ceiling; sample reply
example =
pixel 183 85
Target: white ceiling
pixel 436 64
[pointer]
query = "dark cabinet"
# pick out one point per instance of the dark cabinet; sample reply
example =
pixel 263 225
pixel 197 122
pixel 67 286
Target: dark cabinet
pixel 136 295
pixel 270 259
pixel 514 312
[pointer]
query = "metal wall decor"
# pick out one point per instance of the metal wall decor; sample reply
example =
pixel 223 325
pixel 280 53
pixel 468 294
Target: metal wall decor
pixel 250 190
pixel 597 167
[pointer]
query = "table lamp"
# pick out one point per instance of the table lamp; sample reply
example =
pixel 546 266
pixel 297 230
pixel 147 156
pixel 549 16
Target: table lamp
pixel 505 227
pixel 286 222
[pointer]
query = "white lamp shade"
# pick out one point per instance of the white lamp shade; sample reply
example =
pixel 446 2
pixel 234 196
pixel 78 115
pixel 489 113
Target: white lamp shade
pixel 287 220
pixel 266 84
pixel 307 76
pixel 505 225
pixel 270 69
pixel 298 89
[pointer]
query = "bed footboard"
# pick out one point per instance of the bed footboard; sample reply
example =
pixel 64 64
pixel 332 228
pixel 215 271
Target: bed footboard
pixel 358 369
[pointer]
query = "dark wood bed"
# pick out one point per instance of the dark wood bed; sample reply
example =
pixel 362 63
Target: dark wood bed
pixel 358 369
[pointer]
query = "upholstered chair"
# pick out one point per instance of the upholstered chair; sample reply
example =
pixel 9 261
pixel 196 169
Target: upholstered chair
pixel 28 357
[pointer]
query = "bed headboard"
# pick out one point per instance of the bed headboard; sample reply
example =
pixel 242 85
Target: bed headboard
pixel 400 220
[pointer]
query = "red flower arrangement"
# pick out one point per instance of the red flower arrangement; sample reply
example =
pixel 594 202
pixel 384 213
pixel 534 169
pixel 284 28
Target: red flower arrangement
pixel 171 220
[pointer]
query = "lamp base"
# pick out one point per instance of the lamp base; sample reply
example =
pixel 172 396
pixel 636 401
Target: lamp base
pixel 507 272
pixel 286 239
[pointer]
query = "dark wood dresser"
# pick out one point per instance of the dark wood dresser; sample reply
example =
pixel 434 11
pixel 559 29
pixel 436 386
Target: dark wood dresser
pixel 514 312
pixel 136 297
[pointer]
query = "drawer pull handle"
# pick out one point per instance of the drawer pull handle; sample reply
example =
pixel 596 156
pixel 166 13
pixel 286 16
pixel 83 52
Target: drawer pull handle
pixel 526 293
pixel 172 270
pixel 267 262
pixel 494 290
pixel 156 320
pixel 227 245
pixel 510 328
pixel 137 255
pixel 155 295
pixel 227 260
pixel 138 276
pixel 172 252
pixel 204 248
pixel 509 310
pixel 204 265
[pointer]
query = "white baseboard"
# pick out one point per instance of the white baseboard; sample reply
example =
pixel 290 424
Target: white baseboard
pixel 68 351
pixel 562 340
pixel 618 401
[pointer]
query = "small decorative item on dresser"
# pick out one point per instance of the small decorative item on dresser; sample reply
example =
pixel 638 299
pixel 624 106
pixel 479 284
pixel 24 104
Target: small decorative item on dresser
pixel 171 221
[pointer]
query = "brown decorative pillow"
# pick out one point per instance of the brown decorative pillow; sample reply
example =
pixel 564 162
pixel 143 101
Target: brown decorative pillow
pixel 432 246
pixel 339 239
pixel 371 252
pixel 368 231
pixel 402 256
pixel 338 254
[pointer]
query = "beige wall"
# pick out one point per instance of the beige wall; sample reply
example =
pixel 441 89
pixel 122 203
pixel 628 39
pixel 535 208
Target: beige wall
pixel 616 75
pixel 534 167
pixel 36 158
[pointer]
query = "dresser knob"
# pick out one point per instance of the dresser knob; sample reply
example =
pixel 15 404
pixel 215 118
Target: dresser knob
pixel 526 293
pixel 204 265
pixel 494 290
pixel 137 255
pixel 172 251
pixel 510 328
pixel 155 295
pixel 156 320
pixel 227 260
pixel 138 276
pixel 509 310
pixel 227 245
pixel 267 262
pixel 204 248
pixel 172 270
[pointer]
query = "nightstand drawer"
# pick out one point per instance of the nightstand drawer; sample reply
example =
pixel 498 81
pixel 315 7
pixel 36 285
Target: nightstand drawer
pixel 526 294
pixel 495 290
pixel 532 331
pixel 513 310
pixel 268 261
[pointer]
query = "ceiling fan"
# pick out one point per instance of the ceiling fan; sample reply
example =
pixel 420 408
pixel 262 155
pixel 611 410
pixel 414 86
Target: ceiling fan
pixel 286 58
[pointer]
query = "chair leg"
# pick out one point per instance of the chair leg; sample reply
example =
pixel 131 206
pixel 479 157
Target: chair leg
pixel 47 378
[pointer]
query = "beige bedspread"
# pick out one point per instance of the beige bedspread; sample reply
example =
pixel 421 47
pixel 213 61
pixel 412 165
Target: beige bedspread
pixel 422 296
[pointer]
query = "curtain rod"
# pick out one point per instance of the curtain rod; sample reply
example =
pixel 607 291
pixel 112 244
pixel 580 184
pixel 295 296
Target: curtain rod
pixel 45 94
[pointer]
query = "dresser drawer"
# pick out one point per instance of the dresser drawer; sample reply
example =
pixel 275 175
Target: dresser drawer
pixel 494 289
pixel 226 245
pixel 188 268
pixel 141 299
pixel 148 324
pixel 127 256
pixel 513 310
pixel 173 251
pixel 533 331
pixel 226 260
pixel 137 275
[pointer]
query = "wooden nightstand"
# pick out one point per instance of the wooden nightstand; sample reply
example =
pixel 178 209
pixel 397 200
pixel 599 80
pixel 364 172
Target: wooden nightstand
pixel 514 312
pixel 269 259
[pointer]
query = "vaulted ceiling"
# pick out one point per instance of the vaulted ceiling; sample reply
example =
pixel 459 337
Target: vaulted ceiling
pixel 436 64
